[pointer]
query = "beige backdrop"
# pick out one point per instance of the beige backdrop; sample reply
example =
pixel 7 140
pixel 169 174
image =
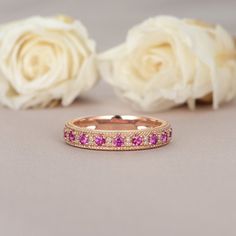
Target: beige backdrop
pixel 186 189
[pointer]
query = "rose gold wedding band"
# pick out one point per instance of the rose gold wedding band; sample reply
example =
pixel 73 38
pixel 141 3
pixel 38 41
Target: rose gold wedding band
pixel 117 133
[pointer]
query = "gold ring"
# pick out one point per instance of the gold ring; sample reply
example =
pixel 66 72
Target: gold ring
pixel 117 132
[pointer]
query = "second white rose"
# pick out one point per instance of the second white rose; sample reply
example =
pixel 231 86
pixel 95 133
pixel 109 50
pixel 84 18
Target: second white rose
pixel 167 61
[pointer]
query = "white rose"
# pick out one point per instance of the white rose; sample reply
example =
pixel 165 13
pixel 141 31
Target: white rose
pixel 43 60
pixel 166 61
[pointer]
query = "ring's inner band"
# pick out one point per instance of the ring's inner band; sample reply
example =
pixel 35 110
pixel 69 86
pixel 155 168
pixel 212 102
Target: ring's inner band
pixel 117 122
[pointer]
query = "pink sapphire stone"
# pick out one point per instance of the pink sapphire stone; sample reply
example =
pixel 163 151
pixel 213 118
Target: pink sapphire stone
pixel 118 141
pixel 65 134
pixel 71 136
pixel 153 139
pixel 137 140
pixel 164 137
pixel 83 139
pixel 100 140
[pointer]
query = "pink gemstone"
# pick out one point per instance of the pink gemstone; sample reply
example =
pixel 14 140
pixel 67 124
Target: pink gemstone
pixel 100 140
pixel 83 139
pixel 65 134
pixel 153 139
pixel 164 137
pixel 137 140
pixel 118 141
pixel 71 136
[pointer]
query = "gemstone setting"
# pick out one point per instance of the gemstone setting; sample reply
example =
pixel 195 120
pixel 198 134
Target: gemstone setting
pixel 71 136
pixel 153 139
pixel 100 140
pixel 84 139
pixel 137 140
pixel 65 134
pixel 118 141
pixel 164 137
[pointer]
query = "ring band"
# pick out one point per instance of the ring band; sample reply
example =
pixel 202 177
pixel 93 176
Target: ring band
pixel 117 132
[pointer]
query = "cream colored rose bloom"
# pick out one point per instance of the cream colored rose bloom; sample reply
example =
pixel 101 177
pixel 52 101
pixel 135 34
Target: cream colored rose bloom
pixel 166 61
pixel 44 60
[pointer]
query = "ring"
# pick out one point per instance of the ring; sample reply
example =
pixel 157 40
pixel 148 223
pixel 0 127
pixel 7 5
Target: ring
pixel 118 132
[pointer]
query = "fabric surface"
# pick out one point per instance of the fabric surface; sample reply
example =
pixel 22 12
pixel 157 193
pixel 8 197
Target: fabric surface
pixel 50 188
